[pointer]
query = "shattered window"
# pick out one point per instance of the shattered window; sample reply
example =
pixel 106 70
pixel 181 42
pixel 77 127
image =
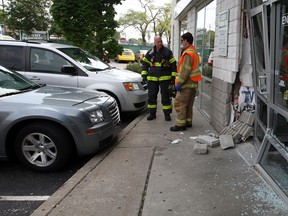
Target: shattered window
pixel 274 160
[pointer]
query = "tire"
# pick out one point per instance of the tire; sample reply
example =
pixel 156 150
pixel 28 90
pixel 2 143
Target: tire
pixel 43 147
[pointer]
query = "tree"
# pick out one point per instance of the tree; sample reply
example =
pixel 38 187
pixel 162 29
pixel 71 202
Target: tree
pixel 26 15
pixel 163 22
pixel 88 24
pixel 3 19
pixel 141 20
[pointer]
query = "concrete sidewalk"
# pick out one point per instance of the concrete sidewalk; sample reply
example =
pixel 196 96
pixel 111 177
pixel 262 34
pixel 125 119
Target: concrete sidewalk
pixel 145 174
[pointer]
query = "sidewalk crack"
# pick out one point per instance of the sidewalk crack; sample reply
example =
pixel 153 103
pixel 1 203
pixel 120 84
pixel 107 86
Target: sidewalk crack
pixel 146 183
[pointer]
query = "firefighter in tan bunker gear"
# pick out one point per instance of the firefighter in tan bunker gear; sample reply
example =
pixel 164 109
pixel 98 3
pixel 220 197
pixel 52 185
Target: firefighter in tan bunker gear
pixel 159 69
pixel 186 83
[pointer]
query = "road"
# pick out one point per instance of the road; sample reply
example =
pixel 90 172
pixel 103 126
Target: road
pixel 23 190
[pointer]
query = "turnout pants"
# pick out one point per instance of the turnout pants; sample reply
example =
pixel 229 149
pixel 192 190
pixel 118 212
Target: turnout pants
pixel 153 89
pixel 183 105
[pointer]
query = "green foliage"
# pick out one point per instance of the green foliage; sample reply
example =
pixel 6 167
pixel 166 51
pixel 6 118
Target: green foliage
pixel 136 67
pixel 139 20
pixel 2 16
pixel 55 30
pixel 163 22
pixel 88 24
pixel 207 71
pixel 149 19
pixel 28 15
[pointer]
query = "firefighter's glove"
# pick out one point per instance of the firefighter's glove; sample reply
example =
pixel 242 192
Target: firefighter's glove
pixel 177 87
pixel 144 79
pixel 173 80
pixel 172 90
pixel 165 63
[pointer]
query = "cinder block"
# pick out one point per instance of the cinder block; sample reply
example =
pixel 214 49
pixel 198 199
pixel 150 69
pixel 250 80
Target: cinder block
pixel 200 149
pixel 223 97
pixel 210 141
pixel 226 141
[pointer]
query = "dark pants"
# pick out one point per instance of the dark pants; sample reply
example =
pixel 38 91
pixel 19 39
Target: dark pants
pixel 153 89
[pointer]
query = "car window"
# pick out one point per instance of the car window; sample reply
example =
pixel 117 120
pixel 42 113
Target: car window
pixel 42 60
pixel 86 59
pixel 11 57
pixel 12 82
pixel 127 52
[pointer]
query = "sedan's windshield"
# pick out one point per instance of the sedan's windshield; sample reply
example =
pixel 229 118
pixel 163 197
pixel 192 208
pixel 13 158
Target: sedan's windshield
pixel 12 82
pixel 89 61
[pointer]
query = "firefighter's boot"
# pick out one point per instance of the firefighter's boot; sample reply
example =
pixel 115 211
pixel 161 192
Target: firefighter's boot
pixel 167 117
pixel 151 116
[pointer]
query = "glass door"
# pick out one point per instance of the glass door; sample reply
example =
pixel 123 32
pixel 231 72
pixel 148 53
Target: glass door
pixel 260 61
pixel 275 154
pixel 270 30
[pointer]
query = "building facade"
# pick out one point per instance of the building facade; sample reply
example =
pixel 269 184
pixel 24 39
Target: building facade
pixel 243 46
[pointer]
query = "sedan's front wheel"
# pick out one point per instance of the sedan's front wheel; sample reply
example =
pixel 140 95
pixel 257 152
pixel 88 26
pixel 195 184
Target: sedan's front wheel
pixel 43 147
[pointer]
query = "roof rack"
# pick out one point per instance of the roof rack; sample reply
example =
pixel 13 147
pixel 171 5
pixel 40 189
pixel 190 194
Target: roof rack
pixel 30 41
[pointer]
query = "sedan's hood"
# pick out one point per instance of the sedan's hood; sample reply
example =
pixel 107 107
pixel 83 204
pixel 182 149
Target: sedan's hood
pixel 59 96
pixel 123 75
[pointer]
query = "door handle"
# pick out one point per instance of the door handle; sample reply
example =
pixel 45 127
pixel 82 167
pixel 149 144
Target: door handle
pixel 35 78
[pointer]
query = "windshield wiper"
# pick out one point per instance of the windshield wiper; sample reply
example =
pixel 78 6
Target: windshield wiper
pixel 95 69
pixel 36 86
pixel 10 93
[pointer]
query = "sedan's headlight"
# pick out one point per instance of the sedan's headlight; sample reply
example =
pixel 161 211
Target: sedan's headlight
pixel 129 86
pixel 96 116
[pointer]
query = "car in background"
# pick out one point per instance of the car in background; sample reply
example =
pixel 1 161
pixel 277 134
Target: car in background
pixel 210 59
pixel 6 37
pixel 126 56
pixel 45 126
pixel 65 65
pixel 139 55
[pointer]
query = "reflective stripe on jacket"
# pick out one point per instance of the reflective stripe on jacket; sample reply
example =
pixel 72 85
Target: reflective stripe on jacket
pixel 188 75
pixel 159 66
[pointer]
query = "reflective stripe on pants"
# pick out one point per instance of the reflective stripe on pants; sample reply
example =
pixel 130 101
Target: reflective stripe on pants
pixel 183 105
pixel 153 89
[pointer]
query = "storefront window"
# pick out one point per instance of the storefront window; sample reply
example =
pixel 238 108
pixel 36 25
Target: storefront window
pixel 183 26
pixel 205 37
pixel 256 3
pixel 277 167
pixel 281 75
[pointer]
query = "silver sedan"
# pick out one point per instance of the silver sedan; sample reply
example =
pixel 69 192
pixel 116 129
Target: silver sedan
pixel 46 126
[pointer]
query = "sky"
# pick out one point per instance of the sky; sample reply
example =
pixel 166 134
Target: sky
pixel 134 5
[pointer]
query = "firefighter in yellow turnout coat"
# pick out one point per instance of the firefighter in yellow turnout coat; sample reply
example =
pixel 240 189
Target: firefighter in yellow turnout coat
pixel 186 83
pixel 159 69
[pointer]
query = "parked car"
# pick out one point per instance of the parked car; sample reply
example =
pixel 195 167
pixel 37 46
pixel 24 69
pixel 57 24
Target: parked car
pixel 6 37
pixel 139 55
pixel 46 126
pixel 65 65
pixel 126 56
pixel 210 59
